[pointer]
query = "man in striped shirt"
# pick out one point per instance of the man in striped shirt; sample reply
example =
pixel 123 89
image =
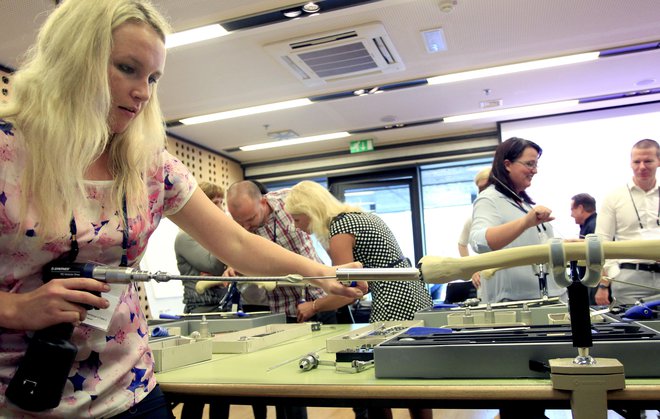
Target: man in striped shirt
pixel 264 215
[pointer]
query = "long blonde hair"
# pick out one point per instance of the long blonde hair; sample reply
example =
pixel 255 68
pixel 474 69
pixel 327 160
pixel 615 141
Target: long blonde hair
pixel 316 202
pixel 60 105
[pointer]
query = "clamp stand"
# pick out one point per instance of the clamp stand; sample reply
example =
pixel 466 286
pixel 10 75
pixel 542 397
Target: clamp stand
pixel 588 384
pixel 541 271
pixel 589 379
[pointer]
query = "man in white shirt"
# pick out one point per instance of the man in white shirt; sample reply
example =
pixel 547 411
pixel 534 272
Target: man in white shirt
pixel 632 212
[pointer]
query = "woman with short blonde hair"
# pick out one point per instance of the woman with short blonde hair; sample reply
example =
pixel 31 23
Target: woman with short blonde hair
pixel 352 235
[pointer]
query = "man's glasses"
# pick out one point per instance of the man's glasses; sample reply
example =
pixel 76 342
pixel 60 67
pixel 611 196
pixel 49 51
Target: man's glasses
pixel 532 164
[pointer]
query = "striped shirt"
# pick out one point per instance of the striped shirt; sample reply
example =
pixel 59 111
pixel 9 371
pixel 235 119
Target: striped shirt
pixel 280 228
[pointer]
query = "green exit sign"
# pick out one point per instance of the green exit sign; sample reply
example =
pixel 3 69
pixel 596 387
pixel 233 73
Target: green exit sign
pixel 361 146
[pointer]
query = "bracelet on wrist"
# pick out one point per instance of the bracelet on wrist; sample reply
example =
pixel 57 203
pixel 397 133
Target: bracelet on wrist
pixel 314 306
pixel 603 286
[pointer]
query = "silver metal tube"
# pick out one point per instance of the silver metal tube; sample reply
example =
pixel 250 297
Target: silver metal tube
pixel 344 275
pixel 378 274
pixel 124 275
pixel 162 277
pixel 119 275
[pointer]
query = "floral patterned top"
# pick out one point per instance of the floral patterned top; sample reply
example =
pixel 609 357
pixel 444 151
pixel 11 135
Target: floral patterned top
pixel 114 369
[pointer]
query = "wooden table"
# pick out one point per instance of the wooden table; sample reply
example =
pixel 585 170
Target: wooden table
pixel 272 376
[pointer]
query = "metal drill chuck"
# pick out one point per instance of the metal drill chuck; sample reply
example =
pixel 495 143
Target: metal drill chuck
pixel 119 275
pixel 309 362
pixel 161 276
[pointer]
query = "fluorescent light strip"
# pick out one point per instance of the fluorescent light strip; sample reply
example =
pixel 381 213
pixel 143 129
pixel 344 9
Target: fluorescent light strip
pixel 448 78
pixel 510 111
pixel 295 141
pixel 195 35
pixel 514 68
pixel 246 111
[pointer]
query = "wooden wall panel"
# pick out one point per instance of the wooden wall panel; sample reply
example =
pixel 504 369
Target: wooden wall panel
pixel 205 165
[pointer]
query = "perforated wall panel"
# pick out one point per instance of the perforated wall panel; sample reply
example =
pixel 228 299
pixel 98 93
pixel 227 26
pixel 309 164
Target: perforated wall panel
pixel 205 165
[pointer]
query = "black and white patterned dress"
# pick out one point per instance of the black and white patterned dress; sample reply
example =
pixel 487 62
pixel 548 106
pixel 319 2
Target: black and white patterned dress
pixel 376 247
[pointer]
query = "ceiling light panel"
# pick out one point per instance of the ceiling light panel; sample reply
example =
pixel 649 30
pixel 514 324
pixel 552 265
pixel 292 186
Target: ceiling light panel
pixel 246 111
pixel 191 36
pixel 514 68
pixel 295 141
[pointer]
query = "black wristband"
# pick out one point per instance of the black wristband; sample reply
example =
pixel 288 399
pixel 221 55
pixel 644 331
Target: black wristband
pixel 603 286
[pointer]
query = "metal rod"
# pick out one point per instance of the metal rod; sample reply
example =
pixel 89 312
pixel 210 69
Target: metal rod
pixel 344 275
pixel 379 274
pixel 635 284
pixel 163 277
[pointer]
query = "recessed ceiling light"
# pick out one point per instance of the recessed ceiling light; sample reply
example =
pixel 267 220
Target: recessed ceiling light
pixel 446 6
pixel 645 82
pixel 367 91
pixel 291 13
pixel 311 7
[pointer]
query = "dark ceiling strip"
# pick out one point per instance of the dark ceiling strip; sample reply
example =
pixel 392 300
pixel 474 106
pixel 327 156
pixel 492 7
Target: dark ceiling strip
pixel 171 124
pixel 383 88
pixel 624 95
pixel 372 129
pixel 396 126
pixel 277 16
pixel 478 136
pixel 7 69
pixel 630 49
pixel 457 153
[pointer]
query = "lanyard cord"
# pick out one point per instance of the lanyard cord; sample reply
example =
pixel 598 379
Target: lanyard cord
pixel 73 228
pixel 73 253
pixel 274 230
pixel 521 208
pixel 639 219
pixel 124 233
pixel 519 204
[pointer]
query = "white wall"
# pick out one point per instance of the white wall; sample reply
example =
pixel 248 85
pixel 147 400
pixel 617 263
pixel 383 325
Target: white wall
pixel 163 297
pixel 587 152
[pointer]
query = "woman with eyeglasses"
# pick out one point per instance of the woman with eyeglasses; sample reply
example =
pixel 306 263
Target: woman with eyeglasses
pixel 504 216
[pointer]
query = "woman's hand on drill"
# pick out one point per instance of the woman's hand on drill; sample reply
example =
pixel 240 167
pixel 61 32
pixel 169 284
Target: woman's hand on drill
pixel 61 300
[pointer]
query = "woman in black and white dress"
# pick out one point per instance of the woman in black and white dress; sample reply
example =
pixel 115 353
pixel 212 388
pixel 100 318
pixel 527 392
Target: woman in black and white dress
pixel 350 234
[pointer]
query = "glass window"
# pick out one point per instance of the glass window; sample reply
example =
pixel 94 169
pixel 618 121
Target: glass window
pixel 392 204
pixel 448 191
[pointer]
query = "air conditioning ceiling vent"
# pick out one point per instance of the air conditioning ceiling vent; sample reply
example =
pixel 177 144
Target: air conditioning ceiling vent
pixel 360 51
